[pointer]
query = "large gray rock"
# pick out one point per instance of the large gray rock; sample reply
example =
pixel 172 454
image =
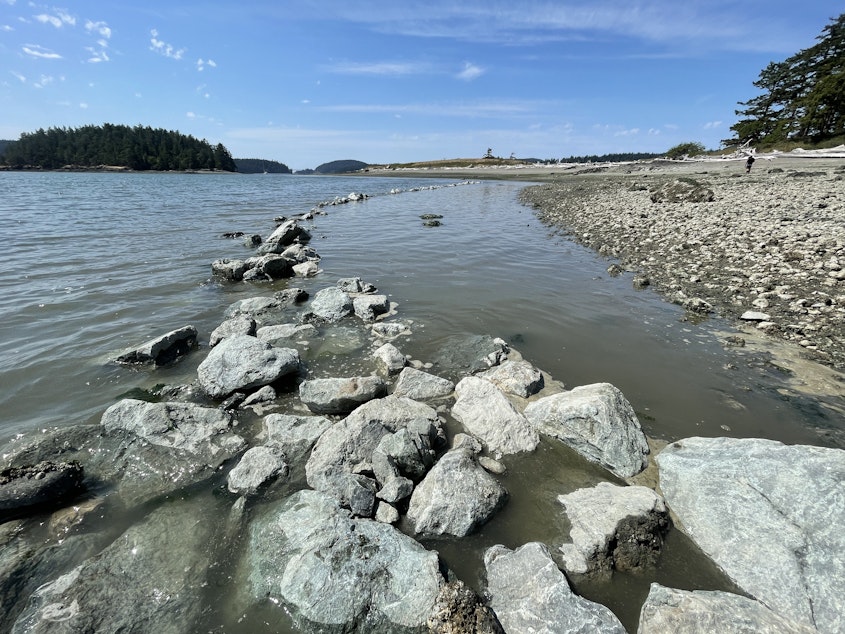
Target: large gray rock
pixel 770 515
pixel 613 527
pixel 486 412
pixel 529 594
pixel 242 362
pixel 417 384
pixel 285 235
pixel 240 325
pixel 331 305
pixel 257 467
pixel 389 359
pixel 334 574
pixel 163 349
pixel 396 412
pixel 285 333
pixel 598 422
pixel 150 579
pixel 340 395
pixel 704 612
pixel 296 435
pixel 455 497
pixel 267 311
pixel 369 307
pixel 516 377
pixel 271 265
pixel 232 270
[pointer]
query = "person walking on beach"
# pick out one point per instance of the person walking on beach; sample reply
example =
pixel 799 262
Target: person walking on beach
pixel 748 163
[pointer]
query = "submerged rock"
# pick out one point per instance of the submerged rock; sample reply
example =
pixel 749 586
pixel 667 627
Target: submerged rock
pixel 340 395
pixel 164 349
pixel 44 484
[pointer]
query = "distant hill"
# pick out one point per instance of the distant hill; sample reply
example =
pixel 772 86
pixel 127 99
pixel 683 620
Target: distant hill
pixel 340 167
pixel 260 166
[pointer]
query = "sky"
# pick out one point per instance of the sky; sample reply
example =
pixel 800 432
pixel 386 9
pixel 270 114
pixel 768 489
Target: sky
pixel 396 81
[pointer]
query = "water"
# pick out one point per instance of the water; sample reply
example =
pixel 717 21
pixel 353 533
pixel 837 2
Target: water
pixel 97 263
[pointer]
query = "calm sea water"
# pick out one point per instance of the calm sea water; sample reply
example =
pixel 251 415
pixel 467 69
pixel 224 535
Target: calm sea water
pixel 97 263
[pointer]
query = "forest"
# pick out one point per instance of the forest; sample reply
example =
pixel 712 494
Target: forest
pixel 137 148
pixel 803 97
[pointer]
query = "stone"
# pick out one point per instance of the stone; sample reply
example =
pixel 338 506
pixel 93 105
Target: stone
pixel 299 254
pixel 769 515
pixel 340 395
pixel 390 329
pixel 395 489
pixel 459 610
pixel 46 484
pixel 519 378
pixel 267 310
pixel 613 527
pixel 396 412
pixel 285 333
pixel 456 497
pixel 262 396
pixel 469 355
pixel 386 513
pixel 682 190
pixel 704 612
pixel 240 325
pixel 332 572
pixel 284 235
pixel 422 386
pixel 296 435
pixel 306 269
pixel 528 593
pixel 258 466
pixel 241 362
pixel 232 270
pixel 272 266
pixel 369 307
pixel 598 422
pixel 331 305
pixel 163 349
pixel 389 359
pixel 355 285
pixel 753 315
pixel 485 412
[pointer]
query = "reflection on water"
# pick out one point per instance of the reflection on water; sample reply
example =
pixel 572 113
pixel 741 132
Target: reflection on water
pixel 96 263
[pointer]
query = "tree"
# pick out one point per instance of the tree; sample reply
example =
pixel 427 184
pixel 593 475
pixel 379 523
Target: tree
pixel 803 97
pixel 691 148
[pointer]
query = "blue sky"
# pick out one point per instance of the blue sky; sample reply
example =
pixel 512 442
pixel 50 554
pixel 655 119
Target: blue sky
pixel 306 82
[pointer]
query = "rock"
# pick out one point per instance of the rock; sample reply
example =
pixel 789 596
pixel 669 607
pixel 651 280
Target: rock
pixel 164 349
pixel 333 573
pixel 306 269
pixel 516 377
pixel 252 241
pixel 770 515
pixel 271 265
pixel 422 386
pixel 265 395
pixel 331 305
pixel 267 310
pixel 240 325
pixel 284 235
pixel 340 395
pixel 296 435
pixel 151 579
pixel 390 329
pixel 619 527
pixel 232 270
pixel 397 412
pixel 386 514
pixel 46 484
pixel 753 315
pixel 455 497
pixel 396 489
pixel 468 355
pixel 703 612
pixel 459 610
pixel 389 359
pixel 682 190
pixel 299 254
pixel 405 452
pixel 242 362
pixel 355 285
pixel 485 412
pixel 284 333
pixel 529 594
pixel 596 421
pixel 257 466
pixel 369 307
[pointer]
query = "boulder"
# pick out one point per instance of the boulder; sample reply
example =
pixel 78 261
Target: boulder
pixel 770 515
pixel 598 422
pixel 529 594
pixel 355 285
pixel 459 610
pixel 389 359
pixel 369 307
pixel 285 235
pixel 150 579
pixel 306 269
pixel 44 484
pixel 704 612
pixel 486 412
pixel 519 378
pixel 331 305
pixel 258 466
pixel 334 573
pixel 164 349
pixel 397 412
pixel 296 435
pixel 284 333
pixel 299 253
pixel 232 270
pixel 340 395
pixel 240 325
pixel 271 265
pixel 267 310
pixel 455 497
pixel 391 329
pixel 242 362
pixel 619 527
pixel 421 385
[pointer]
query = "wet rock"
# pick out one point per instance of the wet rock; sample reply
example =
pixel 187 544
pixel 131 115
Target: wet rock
pixel 253 240
pixel 299 254
pixel 331 305
pixel 232 270
pixel 613 527
pixel 355 285
pixel 164 349
pixel 455 497
pixel 369 307
pixel 468 355
pixel 389 359
pixel 271 266
pixel 285 333
pixel 284 236
pixel 240 325
pixel 242 362
pixel 770 515
pixel 258 466
pixel 46 484
pixel 265 395
pixel 753 315
pixel 296 435
pixel 422 386
pixel 529 594
pixel 340 395
pixel 338 574
pixel 397 412
pixel 459 610
pixel 306 269
pixel 598 422
pixel 516 377
pixel 485 412
pixel 390 329
pixel 150 579
pixel 703 612
pixel 267 310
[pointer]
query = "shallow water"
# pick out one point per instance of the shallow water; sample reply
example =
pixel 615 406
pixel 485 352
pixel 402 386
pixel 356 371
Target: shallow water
pixel 96 263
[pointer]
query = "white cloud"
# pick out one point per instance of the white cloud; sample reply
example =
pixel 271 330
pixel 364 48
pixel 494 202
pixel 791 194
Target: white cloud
pixel 57 21
pixel 101 28
pixel 653 132
pixel 6 28
pixel 163 48
pixel 97 55
pixel 19 77
pixel 629 132
pixel 190 115
pixel 712 125
pixel 43 81
pixel 83 105
pixel 377 68
pixel 201 64
pixel 34 50
pixel 472 109
pixel 470 72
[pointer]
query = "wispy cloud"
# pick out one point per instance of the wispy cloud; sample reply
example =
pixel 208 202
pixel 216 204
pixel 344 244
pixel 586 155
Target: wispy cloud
pixel 472 109
pixel 18 76
pixel 43 81
pixel 100 28
pixel 470 72
pixel 163 48
pixel 627 132
pixel 58 20
pixel 34 50
pixel 712 125
pixel 378 68
pixel 96 55
pixel 202 63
